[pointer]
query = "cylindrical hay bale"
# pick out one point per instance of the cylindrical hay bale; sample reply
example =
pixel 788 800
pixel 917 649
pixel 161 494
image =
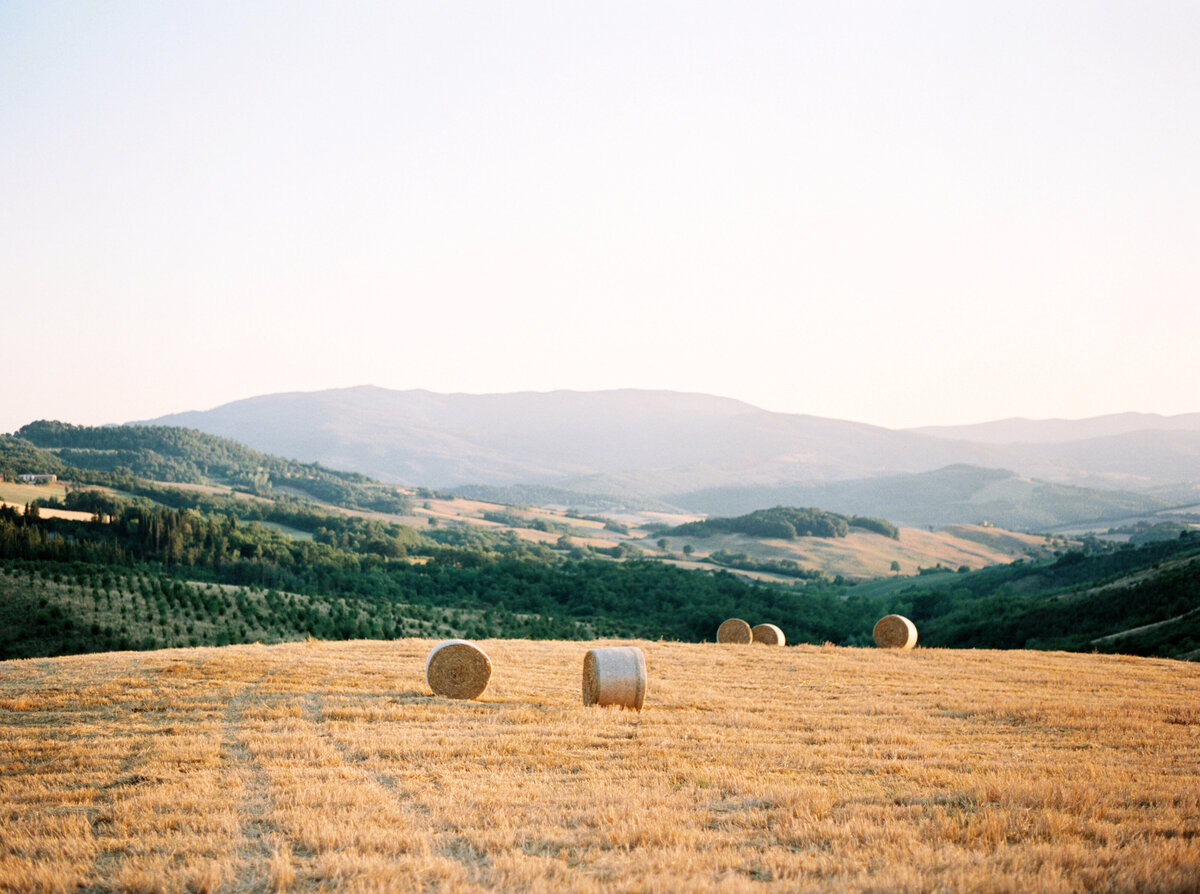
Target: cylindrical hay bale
pixel 615 676
pixel 735 630
pixel 895 632
pixel 767 634
pixel 457 669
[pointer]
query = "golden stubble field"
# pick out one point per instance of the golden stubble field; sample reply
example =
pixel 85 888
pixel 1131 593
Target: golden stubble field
pixel 319 766
pixel 16 495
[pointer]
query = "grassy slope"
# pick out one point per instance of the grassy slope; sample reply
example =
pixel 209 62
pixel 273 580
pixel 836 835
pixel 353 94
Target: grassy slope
pixel 13 492
pixel 315 766
pixel 863 554
pixel 19 495
pixel 1075 603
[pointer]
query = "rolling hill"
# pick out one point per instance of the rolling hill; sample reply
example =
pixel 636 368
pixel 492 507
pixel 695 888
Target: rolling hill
pixel 562 437
pixel 215 474
pixel 958 494
pixel 131 563
pixel 640 448
pixel 181 456
pixel 1051 431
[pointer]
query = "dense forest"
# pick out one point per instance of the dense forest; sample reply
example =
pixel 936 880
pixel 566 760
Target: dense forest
pixel 187 456
pixel 158 566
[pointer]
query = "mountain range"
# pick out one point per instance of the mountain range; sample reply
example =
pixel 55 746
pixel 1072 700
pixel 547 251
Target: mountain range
pixel 714 454
pixel 1048 431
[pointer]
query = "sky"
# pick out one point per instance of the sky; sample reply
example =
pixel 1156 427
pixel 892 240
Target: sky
pixel 900 213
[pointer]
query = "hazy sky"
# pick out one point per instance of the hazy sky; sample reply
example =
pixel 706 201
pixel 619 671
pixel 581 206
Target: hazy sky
pixel 896 213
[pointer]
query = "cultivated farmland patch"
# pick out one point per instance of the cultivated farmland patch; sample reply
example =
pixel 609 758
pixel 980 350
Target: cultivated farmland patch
pixel 314 766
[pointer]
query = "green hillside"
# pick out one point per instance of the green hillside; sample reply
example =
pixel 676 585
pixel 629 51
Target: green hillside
pixel 1141 600
pixel 504 586
pixel 187 456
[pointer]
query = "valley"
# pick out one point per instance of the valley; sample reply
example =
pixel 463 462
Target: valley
pixel 704 454
pixel 167 537
pixel 859 556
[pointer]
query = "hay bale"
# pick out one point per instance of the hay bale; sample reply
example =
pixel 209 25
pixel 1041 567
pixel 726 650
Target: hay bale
pixel 735 630
pixel 895 632
pixel 457 669
pixel 767 634
pixel 615 676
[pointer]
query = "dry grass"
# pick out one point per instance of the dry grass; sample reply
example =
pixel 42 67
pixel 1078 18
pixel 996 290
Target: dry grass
pixel 15 492
pixel 865 555
pixel 70 514
pixel 314 766
pixel 17 495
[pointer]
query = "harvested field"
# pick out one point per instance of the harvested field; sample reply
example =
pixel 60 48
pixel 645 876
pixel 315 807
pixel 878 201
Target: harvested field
pixel 320 766
pixel 72 514
pixel 15 492
pixel 863 555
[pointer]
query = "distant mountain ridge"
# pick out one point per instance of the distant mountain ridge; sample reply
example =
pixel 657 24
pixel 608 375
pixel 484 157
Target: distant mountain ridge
pixel 444 440
pixel 702 451
pixel 1056 431
pixel 958 494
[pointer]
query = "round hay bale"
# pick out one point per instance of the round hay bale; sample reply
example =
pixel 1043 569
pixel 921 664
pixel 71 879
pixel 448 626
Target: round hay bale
pixel 895 632
pixel 767 634
pixel 615 676
pixel 735 630
pixel 457 669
